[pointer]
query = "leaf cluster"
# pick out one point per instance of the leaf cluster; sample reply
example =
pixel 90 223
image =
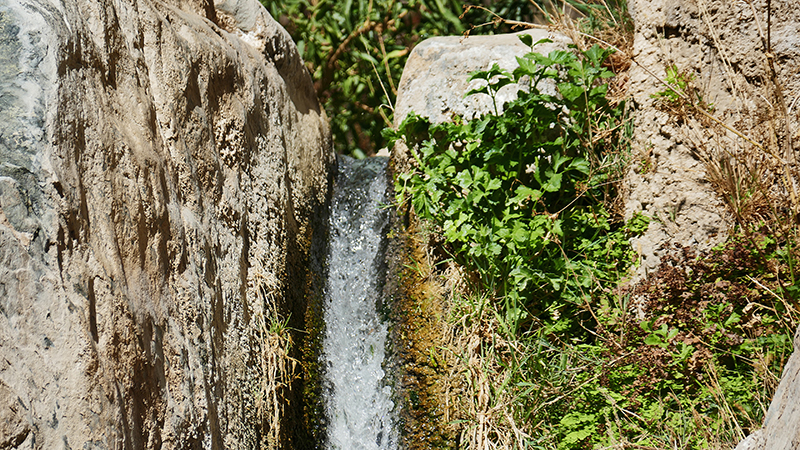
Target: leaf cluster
pixel 355 51
pixel 520 196
pixel 697 370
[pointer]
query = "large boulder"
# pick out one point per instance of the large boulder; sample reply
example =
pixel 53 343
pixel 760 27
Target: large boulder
pixel 435 78
pixel 162 165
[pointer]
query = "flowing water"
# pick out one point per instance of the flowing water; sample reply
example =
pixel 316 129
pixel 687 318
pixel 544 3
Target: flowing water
pixel 358 401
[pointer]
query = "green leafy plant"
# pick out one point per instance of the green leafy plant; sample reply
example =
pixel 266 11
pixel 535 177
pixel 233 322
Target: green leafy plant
pixel 356 50
pixel 680 95
pixel 495 78
pixel 520 196
pixel 695 372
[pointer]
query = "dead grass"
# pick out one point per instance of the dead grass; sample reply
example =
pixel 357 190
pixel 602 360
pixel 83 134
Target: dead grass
pixel 276 367
pixel 484 397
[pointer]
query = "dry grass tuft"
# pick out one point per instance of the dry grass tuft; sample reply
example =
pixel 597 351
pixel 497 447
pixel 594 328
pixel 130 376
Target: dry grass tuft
pixel 607 25
pixel 478 385
pixel 276 368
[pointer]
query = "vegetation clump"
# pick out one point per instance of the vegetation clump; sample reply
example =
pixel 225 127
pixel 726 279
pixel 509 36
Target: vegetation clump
pixel 552 352
pixel 543 345
pixel 520 196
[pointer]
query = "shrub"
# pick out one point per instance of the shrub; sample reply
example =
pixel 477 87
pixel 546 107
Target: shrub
pixel 521 197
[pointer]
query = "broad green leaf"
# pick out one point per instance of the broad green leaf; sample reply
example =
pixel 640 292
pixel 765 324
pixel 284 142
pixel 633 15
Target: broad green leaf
pixel 493 184
pixel 553 183
pixel 570 91
pixel 654 341
pixel 463 179
pixel 733 318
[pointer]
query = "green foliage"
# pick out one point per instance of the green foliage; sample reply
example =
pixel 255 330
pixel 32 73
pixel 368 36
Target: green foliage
pixel 520 198
pixel 700 368
pixel 356 50
pixel 520 195
pixel 677 83
pixel 680 95
pixel 695 372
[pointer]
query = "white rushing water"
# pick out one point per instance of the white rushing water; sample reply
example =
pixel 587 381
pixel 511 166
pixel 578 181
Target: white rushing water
pixel 358 401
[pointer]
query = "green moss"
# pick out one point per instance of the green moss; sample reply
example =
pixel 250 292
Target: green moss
pixel 417 313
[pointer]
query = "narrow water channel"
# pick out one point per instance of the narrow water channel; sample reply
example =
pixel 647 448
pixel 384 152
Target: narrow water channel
pixel 358 399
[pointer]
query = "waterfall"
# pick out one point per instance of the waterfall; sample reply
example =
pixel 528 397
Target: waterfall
pixel 358 401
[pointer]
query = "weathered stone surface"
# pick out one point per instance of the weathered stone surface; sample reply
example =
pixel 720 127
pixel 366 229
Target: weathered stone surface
pixel 754 441
pixel 719 43
pixel 162 169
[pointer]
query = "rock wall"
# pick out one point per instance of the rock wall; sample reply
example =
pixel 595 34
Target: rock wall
pixel 721 45
pixel 162 169
pixel 727 47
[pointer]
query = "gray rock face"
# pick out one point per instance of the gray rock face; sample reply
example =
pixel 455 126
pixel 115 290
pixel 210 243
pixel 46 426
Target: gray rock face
pixel 162 169
pixel 668 180
pixel 720 44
